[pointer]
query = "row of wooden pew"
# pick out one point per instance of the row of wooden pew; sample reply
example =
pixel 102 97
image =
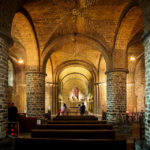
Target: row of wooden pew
pixel 70 134
pixel 69 118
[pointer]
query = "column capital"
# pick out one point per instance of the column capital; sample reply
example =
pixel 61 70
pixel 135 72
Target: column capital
pixel 117 70
pixel 6 38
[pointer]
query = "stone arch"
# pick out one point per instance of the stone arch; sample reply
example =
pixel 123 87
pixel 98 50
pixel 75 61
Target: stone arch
pixel 132 13
pixel 55 44
pixel 27 15
pixel 75 73
pixel 124 12
pixel 136 37
pixel 71 63
pixel 26 28
pixel 85 65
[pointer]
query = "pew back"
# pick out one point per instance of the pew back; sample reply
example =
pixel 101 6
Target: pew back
pixel 76 126
pixel 73 134
pixel 44 144
pixel 75 118
pixel 77 122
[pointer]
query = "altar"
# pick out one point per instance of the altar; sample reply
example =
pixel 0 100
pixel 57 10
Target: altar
pixel 74 103
pixel 73 111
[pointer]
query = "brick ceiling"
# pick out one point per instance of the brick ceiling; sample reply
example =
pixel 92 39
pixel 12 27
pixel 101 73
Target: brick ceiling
pixel 110 22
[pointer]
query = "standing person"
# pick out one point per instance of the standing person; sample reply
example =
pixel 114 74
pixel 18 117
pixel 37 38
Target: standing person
pixel 64 110
pixel 79 108
pixel 82 109
pixel 13 113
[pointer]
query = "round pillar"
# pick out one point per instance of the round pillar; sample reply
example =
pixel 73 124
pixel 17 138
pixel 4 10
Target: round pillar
pixel 116 96
pixel 35 88
pixel 95 109
pixel 54 99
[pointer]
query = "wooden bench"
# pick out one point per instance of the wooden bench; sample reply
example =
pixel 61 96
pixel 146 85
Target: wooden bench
pixel 74 134
pixel 67 144
pixel 76 126
pixel 77 122
pixel 75 118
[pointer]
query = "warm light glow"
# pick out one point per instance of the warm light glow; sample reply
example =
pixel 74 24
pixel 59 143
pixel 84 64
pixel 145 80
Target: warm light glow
pixel 132 58
pixel 49 107
pixel 20 61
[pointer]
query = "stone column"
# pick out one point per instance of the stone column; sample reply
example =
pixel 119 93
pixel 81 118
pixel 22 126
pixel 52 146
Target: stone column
pixel 35 88
pixel 147 89
pixel 95 99
pixel 145 5
pixel 99 100
pixel 54 99
pixel 4 45
pixel 116 96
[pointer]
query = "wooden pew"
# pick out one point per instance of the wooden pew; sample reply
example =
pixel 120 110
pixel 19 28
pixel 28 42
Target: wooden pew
pixel 76 126
pixel 77 122
pixel 73 134
pixel 67 144
pixel 75 118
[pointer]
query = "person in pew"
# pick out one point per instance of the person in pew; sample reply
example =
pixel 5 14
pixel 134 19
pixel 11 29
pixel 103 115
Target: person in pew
pixel 64 110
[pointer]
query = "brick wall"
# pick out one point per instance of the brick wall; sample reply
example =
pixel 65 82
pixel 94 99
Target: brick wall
pixel 147 89
pixel 3 87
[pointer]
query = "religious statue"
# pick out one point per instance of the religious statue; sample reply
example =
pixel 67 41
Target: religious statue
pixel 75 94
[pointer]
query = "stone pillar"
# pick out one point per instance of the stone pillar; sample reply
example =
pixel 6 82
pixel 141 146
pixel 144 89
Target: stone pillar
pixel 97 104
pixel 145 5
pixel 4 44
pixel 54 99
pixel 147 89
pixel 95 99
pixel 99 100
pixel 35 88
pixel 116 96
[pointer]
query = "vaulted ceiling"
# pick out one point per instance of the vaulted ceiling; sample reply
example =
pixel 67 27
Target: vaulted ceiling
pixel 113 23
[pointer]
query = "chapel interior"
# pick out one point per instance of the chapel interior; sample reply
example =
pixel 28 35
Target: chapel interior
pixel 95 52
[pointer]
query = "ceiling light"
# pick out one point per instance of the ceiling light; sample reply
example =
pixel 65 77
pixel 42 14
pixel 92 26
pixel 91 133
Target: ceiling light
pixel 132 58
pixel 20 61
